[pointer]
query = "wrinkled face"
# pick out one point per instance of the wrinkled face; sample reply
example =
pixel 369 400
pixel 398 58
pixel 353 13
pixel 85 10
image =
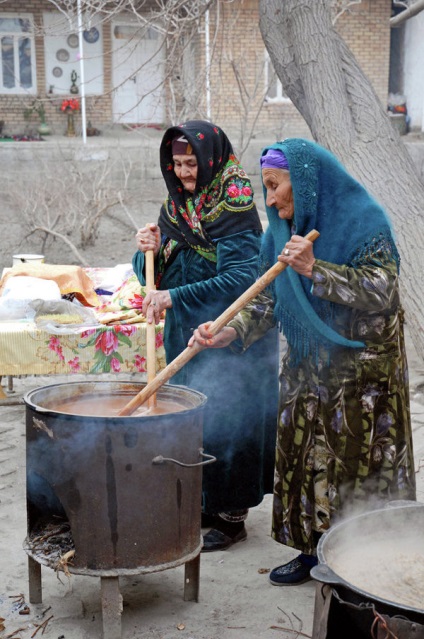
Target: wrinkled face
pixel 185 167
pixel 279 192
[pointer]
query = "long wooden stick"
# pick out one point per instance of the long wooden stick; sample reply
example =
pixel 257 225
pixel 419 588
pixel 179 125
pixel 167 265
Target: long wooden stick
pixel 188 353
pixel 150 328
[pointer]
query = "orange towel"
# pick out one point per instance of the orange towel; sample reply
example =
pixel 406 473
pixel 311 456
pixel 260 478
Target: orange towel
pixel 69 278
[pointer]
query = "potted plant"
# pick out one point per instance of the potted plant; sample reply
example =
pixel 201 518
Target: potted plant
pixel 69 106
pixel 37 106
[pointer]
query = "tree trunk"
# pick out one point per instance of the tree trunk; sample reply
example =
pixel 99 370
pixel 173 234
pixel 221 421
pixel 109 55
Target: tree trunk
pixel 321 76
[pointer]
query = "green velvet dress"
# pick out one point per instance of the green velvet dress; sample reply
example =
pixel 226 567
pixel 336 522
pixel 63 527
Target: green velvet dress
pixel 344 434
pixel 242 389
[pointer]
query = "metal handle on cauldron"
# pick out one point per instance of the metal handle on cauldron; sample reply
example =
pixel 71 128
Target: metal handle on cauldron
pixel 323 573
pixel 221 321
pixel 161 460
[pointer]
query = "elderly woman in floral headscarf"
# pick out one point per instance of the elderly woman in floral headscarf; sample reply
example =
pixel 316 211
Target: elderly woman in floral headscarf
pixel 206 246
pixel 344 433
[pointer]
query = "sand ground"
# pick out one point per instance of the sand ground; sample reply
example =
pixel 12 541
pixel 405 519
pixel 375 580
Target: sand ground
pixel 236 599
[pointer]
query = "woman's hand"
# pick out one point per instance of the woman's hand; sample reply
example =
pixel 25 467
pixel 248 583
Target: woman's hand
pixel 153 305
pixel 205 338
pixel 298 253
pixel 148 238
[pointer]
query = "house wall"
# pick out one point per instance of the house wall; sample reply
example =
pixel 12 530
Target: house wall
pixel 413 70
pixel 12 107
pixel 365 28
pixel 238 83
pixel 236 78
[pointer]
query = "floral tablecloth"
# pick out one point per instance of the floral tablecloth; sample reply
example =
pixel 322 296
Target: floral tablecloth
pixel 26 350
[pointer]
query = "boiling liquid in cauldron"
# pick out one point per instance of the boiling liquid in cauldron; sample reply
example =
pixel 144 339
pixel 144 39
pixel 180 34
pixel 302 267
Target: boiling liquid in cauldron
pixel 109 406
pixel 385 569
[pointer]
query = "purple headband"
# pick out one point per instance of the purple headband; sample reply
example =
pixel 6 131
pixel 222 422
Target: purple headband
pixel 274 159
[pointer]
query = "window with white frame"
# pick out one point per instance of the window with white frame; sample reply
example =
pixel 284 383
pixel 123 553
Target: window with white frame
pixel 273 88
pixel 17 54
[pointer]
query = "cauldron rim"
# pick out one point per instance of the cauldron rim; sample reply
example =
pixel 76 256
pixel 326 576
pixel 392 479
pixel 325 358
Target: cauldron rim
pixel 324 573
pixel 27 398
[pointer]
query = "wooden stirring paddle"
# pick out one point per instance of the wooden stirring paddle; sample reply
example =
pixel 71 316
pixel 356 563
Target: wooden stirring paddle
pixel 150 328
pixel 188 353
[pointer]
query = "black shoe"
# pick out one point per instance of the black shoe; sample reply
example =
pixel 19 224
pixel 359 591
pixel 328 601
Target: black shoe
pixel 293 573
pixel 217 540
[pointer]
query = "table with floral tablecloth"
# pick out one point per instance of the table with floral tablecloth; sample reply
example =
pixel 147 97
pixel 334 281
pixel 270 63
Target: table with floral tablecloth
pixel 27 350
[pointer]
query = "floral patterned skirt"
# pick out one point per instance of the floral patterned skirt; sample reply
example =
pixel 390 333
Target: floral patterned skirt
pixel 344 443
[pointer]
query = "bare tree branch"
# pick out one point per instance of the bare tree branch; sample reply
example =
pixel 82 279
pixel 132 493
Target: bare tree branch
pixel 410 12
pixel 127 213
pixel 68 200
pixel 64 239
pixel 341 6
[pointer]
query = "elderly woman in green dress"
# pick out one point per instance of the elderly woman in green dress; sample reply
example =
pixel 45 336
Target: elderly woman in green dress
pixel 344 434
pixel 206 245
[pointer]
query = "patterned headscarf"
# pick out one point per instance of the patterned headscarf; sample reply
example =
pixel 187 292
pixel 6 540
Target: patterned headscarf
pixel 222 203
pixel 352 227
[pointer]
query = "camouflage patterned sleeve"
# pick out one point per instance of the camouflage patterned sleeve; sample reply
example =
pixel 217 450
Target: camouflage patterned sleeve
pixel 368 287
pixel 253 321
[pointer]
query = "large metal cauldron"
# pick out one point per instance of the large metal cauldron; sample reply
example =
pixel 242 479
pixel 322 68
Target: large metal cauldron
pixel 128 508
pixel 373 563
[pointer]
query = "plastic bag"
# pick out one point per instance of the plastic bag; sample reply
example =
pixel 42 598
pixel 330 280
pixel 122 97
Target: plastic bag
pixel 63 317
pixel 18 293
pixel 15 309
pixel 24 287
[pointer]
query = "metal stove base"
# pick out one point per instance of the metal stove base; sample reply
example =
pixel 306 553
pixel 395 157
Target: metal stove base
pixel 335 618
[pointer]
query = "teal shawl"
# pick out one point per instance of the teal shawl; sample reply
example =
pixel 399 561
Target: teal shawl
pixel 353 229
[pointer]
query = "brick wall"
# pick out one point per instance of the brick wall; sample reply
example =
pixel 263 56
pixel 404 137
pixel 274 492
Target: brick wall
pixel 365 28
pixel 12 107
pixel 366 31
pixel 236 78
pixel 238 82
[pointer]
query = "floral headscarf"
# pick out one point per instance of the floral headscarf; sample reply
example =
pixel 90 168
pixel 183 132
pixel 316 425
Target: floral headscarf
pixel 222 203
